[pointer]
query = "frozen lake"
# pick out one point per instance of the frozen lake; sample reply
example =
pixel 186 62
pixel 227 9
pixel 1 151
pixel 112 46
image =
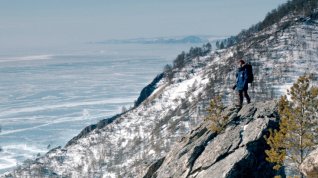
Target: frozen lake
pixel 45 100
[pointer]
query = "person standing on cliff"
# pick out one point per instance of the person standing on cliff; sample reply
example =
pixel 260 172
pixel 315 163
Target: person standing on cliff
pixel 242 80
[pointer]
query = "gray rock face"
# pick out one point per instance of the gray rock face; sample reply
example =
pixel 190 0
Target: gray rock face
pixel 310 165
pixel 237 151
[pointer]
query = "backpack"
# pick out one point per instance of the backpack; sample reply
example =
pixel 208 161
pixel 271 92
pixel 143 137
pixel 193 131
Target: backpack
pixel 250 75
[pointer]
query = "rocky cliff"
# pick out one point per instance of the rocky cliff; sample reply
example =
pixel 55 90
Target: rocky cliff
pixel 237 151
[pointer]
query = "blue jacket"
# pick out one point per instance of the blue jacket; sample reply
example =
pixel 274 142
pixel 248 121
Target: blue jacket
pixel 241 79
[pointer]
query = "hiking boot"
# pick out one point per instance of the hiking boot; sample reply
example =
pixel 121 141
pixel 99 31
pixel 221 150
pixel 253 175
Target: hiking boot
pixel 238 108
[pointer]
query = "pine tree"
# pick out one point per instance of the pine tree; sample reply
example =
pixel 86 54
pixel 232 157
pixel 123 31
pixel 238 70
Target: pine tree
pixel 218 121
pixel 179 61
pixel 217 44
pixel 298 133
pixel 168 72
pixel 222 45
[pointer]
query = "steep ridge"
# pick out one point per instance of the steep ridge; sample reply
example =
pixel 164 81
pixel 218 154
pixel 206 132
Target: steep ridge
pixel 127 144
pixel 238 151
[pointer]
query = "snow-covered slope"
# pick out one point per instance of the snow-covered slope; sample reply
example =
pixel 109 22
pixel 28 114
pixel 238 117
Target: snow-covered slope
pixel 127 144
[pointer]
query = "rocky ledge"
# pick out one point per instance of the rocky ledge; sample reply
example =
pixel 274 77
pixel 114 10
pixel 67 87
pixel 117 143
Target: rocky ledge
pixel 237 151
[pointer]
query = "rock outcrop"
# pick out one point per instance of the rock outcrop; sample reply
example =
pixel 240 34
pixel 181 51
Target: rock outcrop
pixel 148 90
pixel 310 165
pixel 237 151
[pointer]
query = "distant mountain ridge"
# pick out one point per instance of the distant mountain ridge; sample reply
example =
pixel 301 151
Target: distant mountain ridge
pixel 164 40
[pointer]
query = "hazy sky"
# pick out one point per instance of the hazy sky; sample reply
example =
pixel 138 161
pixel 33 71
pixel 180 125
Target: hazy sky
pixel 32 24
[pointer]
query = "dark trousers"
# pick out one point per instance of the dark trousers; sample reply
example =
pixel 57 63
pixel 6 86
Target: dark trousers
pixel 243 93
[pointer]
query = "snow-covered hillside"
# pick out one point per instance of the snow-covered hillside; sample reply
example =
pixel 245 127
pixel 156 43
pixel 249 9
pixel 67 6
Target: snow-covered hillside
pixel 132 141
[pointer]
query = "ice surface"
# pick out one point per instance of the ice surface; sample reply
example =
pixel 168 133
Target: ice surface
pixel 45 100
